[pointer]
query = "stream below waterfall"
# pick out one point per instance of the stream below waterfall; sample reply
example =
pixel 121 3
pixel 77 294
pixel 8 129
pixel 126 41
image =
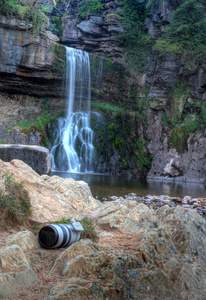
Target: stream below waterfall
pixel 107 186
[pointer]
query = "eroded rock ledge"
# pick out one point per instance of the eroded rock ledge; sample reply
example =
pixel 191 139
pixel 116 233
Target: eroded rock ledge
pixel 37 157
pixel 141 253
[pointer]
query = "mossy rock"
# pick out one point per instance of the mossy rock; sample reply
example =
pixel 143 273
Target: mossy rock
pixel 59 62
pixel 178 139
pixel 179 96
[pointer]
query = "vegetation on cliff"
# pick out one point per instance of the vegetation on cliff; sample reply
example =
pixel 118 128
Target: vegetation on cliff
pixel 29 14
pixel 88 8
pixel 186 35
pixel 137 41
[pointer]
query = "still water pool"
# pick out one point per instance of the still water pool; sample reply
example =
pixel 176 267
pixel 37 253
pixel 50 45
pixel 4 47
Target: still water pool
pixel 107 186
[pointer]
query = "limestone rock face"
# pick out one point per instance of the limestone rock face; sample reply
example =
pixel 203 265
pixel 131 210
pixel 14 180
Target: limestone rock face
pixel 12 282
pixel 35 156
pixel 190 166
pixel 97 34
pixel 28 56
pixel 14 258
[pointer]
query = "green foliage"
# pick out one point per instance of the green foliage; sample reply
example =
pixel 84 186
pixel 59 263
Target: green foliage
pixel 34 15
pixel 89 7
pixel 45 104
pixel 107 107
pixel 187 35
pixel 142 157
pixel 15 199
pixel 113 131
pixel 132 15
pixel 39 123
pixel 56 26
pixel 194 117
pixel 88 225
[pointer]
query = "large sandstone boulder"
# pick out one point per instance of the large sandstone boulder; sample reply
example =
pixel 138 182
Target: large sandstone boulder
pixel 50 202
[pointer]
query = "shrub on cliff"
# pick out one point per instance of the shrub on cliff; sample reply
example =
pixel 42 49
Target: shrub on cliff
pixel 89 7
pixel 29 14
pixel 187 35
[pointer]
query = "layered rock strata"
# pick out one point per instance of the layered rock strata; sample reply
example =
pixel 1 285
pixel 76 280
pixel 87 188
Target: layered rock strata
pixel 29 63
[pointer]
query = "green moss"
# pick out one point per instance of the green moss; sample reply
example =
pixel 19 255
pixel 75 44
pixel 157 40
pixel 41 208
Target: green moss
pixel 178 139
pixel 39 124
pixel 96 91
pixel 133 92
pixel 59 62
pixel 108 65
pixel 106 107
pixel 142 157
pixel 178 97
pixel 144 90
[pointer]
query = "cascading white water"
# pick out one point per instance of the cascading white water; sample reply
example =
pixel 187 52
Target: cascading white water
pixel 72 150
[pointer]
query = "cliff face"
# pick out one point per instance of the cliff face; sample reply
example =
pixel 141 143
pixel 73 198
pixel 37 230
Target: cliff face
pixel 161 106
pixel 27 60
pixel 97 34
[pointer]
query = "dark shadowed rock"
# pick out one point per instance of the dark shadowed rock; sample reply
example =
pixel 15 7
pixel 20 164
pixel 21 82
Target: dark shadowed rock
pixel 38 158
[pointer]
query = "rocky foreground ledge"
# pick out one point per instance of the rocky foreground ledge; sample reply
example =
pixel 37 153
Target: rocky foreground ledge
pixel 142 253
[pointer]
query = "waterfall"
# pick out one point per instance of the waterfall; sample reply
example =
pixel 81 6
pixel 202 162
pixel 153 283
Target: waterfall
pixel 72 149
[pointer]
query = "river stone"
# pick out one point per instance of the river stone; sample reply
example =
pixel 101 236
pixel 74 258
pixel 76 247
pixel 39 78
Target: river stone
pixel 24 239
pixel 38 158
pixel 12 282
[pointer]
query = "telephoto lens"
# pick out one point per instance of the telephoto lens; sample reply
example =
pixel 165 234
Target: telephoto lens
pixel 60 235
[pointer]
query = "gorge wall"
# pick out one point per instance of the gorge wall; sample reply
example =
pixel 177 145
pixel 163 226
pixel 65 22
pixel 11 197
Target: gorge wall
pixel 152 118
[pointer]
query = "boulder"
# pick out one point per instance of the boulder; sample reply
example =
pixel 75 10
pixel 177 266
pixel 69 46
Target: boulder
pixel 37 157
pixel 78 193
pixel 12 282
pixel 13 257
pixel 50 202
pixel 26 240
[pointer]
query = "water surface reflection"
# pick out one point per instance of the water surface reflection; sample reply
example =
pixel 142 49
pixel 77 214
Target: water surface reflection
pixel 107 186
